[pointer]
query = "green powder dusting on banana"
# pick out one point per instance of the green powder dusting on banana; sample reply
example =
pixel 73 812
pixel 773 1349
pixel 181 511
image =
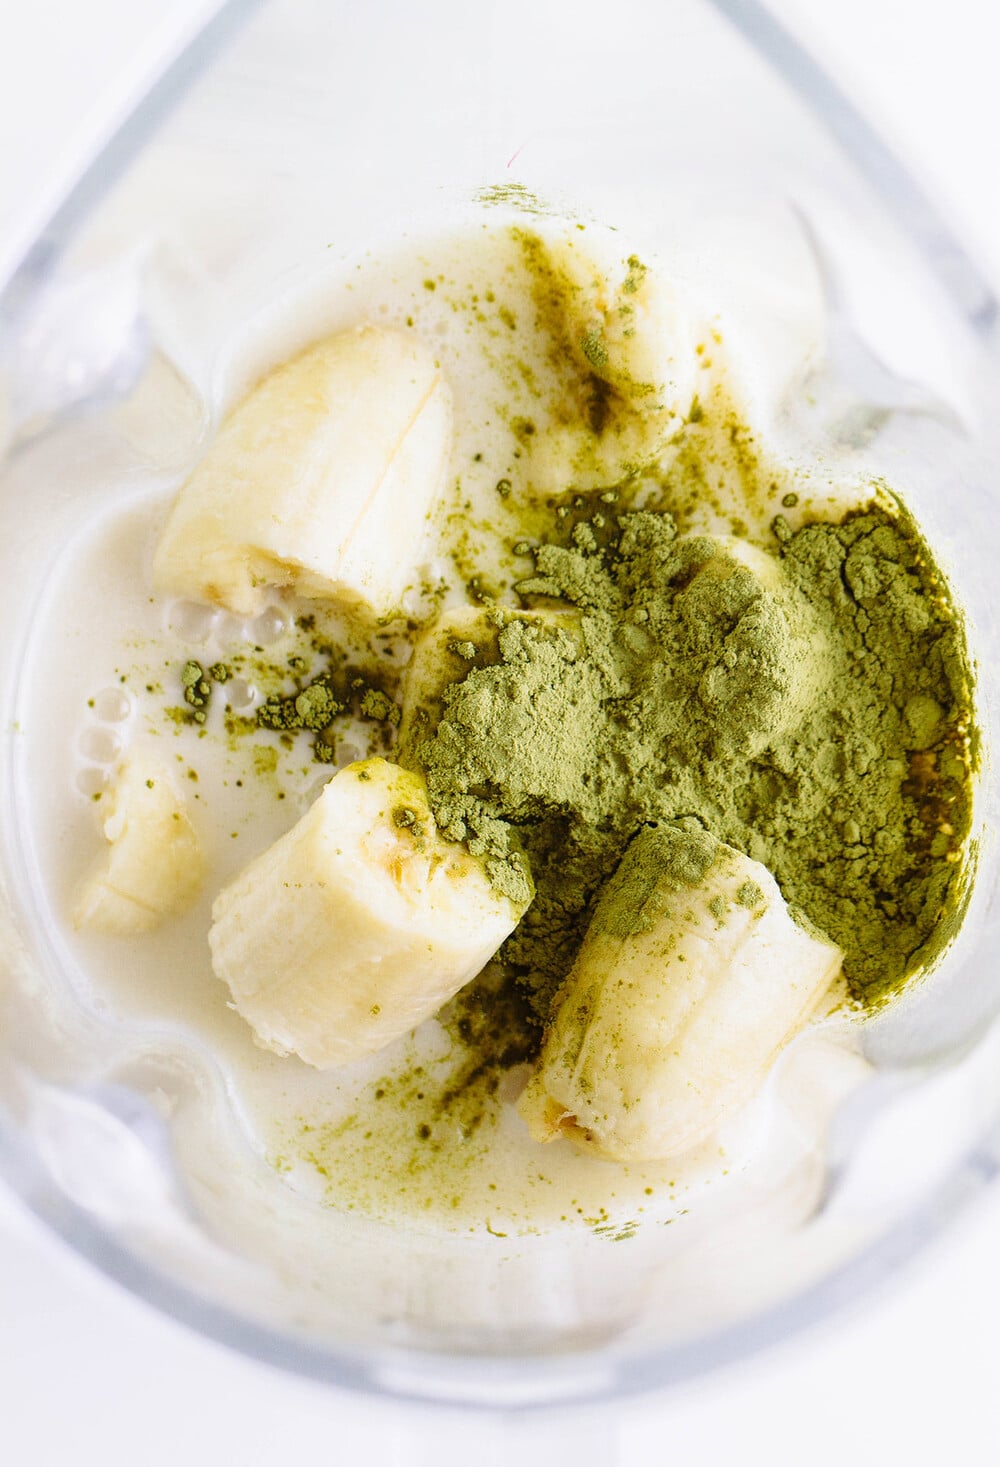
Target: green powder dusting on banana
pixel 809 705
pixel 659 859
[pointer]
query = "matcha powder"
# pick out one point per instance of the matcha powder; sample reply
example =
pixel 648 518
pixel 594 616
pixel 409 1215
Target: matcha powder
pixel 809 705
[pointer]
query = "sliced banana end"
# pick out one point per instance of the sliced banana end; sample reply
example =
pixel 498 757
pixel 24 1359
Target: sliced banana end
pixel 358 924
pixel 545 1118
pixel 155 865
pixel 677 1007
pixel 320 482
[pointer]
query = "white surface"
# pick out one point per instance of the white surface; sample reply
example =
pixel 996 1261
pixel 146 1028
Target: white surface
pixel 93 1377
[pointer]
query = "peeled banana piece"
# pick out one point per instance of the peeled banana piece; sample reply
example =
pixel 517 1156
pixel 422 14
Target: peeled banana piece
pixel 155 865
pixel 357 924
pixel 634 347
pixel 627 326
pixel 320 481
pixel 690 979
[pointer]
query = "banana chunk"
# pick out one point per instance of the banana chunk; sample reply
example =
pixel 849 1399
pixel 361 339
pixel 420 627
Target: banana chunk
pixel 633 345
pixel 320 481
pixel 691 978
pixel 628 328
pixel 357 924
pixel 155 865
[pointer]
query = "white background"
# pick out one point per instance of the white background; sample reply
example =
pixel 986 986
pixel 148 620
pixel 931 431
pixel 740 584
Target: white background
pixel 89 1376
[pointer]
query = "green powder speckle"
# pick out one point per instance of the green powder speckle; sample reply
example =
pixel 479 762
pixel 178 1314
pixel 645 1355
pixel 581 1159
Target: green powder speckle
pixel 316 706
pixel 197 689
pixel 512 195
pixel 378 705
pixel 265 760
pixel 593 347
pixel 750 895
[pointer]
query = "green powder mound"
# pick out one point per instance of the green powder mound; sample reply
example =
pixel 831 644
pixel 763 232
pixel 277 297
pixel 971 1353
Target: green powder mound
pixel 809 706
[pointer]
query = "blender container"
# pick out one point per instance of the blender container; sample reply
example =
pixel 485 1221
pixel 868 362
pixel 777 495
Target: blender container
pixel 290 138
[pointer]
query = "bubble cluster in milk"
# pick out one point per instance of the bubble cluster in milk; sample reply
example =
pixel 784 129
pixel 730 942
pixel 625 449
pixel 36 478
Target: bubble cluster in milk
pixel 102 740
pixel 104 735
pixel 105 668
